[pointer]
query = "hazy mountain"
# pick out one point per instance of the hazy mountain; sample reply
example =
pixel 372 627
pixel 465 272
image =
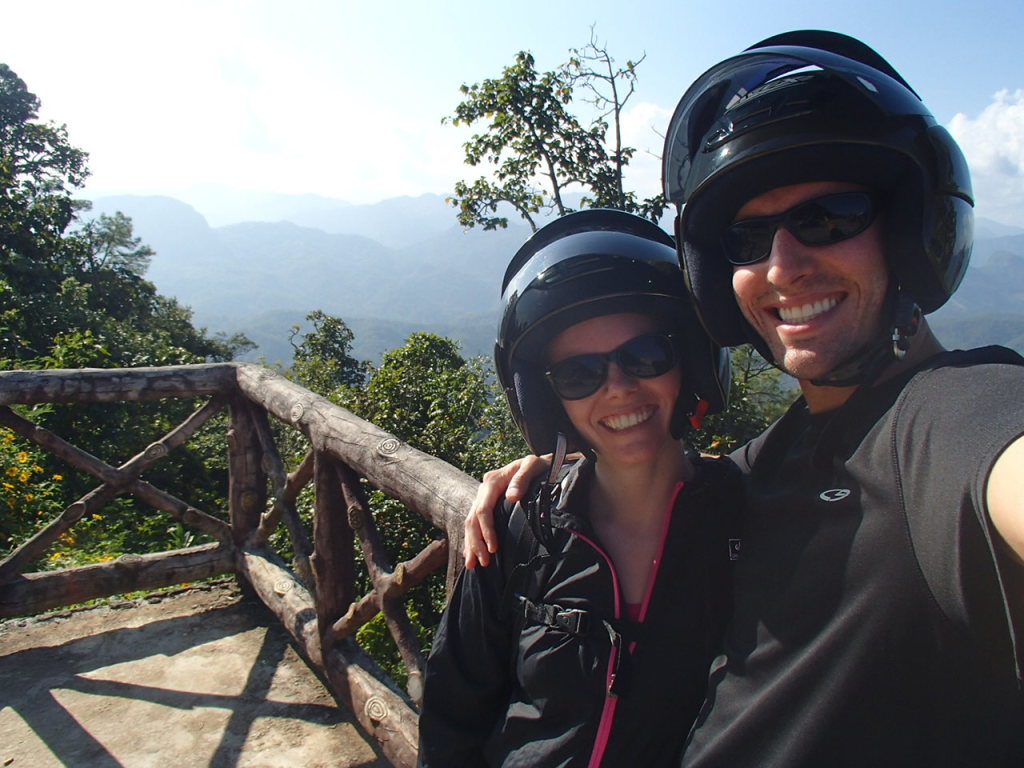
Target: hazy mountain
pixel 261 278
pixel 988 308
pixel 404 265
pixel 398 222
pixel 985 229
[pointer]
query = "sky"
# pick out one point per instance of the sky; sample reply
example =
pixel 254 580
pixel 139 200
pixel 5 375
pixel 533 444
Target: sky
pixel 346 99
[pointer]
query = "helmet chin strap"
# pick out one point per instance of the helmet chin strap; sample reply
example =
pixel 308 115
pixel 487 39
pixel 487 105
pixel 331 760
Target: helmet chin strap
pixel 865 365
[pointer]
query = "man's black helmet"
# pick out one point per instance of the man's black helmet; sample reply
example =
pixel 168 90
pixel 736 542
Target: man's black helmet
pixel 584 265
pixel 814 106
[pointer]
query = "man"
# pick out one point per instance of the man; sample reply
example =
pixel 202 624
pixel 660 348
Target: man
pixel 879 592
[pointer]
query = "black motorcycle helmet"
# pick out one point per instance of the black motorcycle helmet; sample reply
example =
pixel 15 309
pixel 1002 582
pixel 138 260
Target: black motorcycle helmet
pixel 583 265
pixel 815 106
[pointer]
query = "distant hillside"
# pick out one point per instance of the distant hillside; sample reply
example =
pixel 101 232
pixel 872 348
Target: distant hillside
pixel 404 265
pixel 261 278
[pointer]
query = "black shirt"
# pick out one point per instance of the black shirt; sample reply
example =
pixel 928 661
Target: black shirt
pixel 871 624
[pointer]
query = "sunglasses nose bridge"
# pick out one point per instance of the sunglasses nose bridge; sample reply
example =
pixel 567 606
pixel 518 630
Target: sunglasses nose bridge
pixel 616 375
pixel 788 259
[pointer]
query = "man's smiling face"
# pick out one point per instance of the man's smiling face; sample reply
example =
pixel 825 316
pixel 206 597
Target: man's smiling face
pixel 815 306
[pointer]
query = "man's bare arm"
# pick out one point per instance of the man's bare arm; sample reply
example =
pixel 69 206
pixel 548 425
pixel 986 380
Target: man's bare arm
pixel 512 480
pixel 1005 496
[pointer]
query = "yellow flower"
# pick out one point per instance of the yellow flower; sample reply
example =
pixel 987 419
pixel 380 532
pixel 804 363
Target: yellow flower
pixel 29 496
pixel 8 486
pixel 58 477
pixel 12 471
pixel 96 517
pixel 22 457
pixel 24 476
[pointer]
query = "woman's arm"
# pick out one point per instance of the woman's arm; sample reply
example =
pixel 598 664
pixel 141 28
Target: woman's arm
pixel 467 684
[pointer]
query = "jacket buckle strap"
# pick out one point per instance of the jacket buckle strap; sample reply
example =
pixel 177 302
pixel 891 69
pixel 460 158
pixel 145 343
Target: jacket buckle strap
pixel 575 621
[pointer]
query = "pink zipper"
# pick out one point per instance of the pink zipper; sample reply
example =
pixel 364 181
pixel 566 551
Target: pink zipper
pixel 611 701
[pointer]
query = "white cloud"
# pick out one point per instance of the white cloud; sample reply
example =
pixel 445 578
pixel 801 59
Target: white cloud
pixel 643 127
pixel 993 143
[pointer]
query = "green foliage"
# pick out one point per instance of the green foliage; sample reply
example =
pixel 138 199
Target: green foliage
pixel 376 640
pixel 758 396
pixel 73 295
pixel 428 395
pixel 322 360
pixel 499 440
pixel 539 148
pixel 37 166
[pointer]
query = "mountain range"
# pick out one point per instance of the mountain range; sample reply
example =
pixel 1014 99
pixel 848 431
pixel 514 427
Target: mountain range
pixel 404 264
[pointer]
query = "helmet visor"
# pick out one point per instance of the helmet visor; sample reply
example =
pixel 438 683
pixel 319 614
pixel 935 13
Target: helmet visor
pixel 699 123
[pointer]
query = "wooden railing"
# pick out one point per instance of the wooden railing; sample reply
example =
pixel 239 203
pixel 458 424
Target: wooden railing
pixel 314 597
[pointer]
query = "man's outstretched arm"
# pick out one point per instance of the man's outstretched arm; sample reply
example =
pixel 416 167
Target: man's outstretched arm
pixel 1005 497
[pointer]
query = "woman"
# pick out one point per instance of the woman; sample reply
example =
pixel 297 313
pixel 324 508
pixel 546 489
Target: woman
pixel 587 640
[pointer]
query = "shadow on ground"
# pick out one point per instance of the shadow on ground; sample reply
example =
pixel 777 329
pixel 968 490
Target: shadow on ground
pixel 198 677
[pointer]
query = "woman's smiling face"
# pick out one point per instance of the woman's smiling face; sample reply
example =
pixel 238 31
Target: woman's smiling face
pixel 627 420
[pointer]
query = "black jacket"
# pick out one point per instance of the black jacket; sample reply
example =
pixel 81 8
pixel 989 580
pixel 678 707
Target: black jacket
pixel 534 663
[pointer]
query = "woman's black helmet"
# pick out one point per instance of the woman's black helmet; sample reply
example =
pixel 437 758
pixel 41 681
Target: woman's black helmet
pixel 814 106
pixel 587 264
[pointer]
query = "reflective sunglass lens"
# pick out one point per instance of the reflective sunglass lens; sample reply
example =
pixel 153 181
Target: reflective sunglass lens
pixel 578 377
pixel 748 242
pixel 581 376
pixel 646 356
pixel 822 221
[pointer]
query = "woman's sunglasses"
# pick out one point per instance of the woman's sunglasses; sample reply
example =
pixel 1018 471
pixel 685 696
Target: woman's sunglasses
pixel 644 357
pixel 821 221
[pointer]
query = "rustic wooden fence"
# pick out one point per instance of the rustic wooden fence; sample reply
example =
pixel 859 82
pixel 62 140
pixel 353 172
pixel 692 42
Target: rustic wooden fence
pixel 314 597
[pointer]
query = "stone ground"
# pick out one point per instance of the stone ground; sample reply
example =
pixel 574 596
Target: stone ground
pixel 195 677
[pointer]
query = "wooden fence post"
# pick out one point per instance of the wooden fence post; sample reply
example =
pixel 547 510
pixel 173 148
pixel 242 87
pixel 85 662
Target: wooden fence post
pixel 247 482
pixel 333 550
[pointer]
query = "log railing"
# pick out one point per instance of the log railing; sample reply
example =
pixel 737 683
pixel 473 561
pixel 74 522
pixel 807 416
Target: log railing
pixel 314 597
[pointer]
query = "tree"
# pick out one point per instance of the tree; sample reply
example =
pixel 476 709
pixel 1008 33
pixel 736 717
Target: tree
pixel 539 148
pixel 109 243
pixel 428 395
pixel 38 166
pixel 322 360
pixel 72 295
pixel 610 87
pixel 758 396
pixel 75 295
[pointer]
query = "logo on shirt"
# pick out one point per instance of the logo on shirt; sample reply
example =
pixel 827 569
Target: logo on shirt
pixel 834 494
pixel 734 548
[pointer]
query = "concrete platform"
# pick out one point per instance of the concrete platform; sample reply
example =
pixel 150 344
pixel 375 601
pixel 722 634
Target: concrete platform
pixel 196 677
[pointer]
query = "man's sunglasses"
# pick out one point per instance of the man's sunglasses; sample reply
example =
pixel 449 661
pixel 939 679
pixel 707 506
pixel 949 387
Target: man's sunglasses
pixel 644 357
pixel 821 221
